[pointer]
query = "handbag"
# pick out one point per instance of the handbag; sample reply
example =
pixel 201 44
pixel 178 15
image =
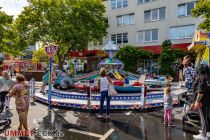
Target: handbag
pixel 111 90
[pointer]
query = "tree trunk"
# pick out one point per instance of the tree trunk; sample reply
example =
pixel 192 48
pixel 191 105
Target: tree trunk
pixel 62 57
pixel 60 64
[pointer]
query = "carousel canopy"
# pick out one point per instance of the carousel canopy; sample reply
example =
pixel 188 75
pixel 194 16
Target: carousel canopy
pixel 110 46
pixel 109 61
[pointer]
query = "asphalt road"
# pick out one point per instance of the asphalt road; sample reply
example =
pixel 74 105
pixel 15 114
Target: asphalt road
pixel 78 125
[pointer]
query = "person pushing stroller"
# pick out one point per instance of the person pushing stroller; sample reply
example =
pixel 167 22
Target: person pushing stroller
pixel 201 100
pixel 6 84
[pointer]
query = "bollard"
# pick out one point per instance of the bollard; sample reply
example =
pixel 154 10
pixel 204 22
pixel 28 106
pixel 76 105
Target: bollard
pixel 32 87
pixel 89 90
pixel 143 95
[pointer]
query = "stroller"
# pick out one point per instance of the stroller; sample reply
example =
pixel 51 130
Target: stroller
pixel 4 123
pixel 191 119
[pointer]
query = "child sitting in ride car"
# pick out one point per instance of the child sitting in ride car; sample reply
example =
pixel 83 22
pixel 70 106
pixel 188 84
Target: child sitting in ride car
pixel 126 79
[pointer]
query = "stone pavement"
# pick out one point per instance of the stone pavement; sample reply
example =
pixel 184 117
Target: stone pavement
pixel 79 125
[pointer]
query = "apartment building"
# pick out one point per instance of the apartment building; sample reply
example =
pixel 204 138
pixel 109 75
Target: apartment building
pixel 147 23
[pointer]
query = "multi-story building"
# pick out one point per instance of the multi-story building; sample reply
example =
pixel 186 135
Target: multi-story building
pixel 147 23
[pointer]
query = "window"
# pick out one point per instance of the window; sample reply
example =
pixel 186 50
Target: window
pixel 106 21
pixel 125 20
pixel 155 14
pixel 145 1
pixel 115 4
pixel 185 9
pixel 181 32
pixel 148 35
pixel 119 38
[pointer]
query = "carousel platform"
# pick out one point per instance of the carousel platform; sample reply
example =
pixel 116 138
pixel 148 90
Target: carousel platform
pixel 121 101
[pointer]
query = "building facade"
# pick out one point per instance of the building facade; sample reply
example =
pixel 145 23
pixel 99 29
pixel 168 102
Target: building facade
pixel 147 23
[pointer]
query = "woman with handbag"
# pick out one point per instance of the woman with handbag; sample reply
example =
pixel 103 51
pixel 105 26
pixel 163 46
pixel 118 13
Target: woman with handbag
pixel 21 93
pixel 6 83
pixel 103 85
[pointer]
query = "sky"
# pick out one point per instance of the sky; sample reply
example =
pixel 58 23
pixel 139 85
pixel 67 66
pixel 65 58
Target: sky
pixel 13 7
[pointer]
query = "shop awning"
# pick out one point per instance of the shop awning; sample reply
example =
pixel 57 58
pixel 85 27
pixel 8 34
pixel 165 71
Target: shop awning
pixel 182 46
pixel 153 49
pixel 83 53
pixel 157 49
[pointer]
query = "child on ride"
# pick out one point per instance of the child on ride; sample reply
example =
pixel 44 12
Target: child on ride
pixel 168 106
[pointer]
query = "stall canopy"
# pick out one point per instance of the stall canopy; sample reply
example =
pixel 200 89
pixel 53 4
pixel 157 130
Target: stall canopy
pixel 200 45
pixel 199 41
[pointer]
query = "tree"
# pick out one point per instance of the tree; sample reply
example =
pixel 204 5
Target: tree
pixel 70 24
pixel 129 55
pixel 202 9
pixel 9 40
pixel 166 58
pixel 39 55
pixel 169 56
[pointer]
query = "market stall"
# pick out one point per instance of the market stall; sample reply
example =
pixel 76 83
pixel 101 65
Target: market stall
pixel 201 44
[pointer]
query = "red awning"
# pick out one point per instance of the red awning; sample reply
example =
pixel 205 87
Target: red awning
pixel 84 53
pixel 157 49
pixel 182 46
pixel 154 49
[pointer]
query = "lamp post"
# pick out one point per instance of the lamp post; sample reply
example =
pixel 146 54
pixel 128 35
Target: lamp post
pixel 50 50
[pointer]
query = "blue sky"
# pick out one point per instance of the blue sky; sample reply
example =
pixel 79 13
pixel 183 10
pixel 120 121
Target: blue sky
pixel 13 7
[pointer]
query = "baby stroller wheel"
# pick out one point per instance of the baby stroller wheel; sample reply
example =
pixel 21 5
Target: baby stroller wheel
pixel 184 120
pixel 8 122
pixel 2 107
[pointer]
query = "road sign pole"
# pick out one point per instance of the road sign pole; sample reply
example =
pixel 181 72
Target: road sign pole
pixel 50 51
pixel 50 83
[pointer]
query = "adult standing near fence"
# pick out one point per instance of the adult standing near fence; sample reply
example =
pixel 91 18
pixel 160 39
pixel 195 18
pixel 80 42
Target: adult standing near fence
pixel 103 84
pixel 188 72
pixel 6 84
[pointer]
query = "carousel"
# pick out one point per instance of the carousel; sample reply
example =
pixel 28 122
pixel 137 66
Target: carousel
pixel 84 94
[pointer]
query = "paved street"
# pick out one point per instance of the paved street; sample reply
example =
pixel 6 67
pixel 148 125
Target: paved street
pixel 127 125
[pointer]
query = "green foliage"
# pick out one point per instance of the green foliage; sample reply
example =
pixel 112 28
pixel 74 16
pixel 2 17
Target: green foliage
pixel 9 39
pixel 202 9
pixel 169 56
pixel 40 55
pixel 70 24
pixel 129 56
pixel 71 69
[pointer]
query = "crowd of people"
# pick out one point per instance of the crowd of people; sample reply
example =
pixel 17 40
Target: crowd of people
pixel 197 80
